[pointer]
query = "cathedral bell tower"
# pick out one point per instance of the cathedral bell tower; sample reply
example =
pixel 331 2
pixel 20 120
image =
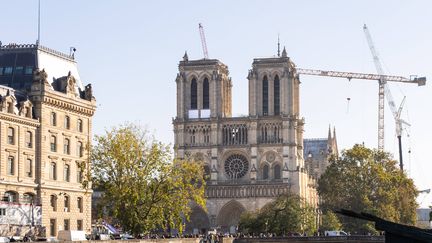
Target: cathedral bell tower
pixel 203 89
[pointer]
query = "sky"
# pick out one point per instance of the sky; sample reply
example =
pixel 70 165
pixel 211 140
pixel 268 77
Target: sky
pixel 129 50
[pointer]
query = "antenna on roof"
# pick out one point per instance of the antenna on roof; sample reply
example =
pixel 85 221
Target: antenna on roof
pixel 38 39
pixel 278 46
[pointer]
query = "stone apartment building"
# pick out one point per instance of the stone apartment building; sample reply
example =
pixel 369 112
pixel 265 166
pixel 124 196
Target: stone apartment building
pixel 45 128
pixel 249 160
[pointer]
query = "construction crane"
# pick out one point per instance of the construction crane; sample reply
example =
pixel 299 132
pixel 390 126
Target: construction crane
pixel 382 79
pixel 203 41
pixel 385 91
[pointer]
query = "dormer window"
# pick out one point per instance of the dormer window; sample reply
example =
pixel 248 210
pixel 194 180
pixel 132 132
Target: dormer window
pixel 10 107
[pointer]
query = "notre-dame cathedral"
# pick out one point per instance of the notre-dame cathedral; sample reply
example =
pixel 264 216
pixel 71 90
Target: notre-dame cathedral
pixel 250 159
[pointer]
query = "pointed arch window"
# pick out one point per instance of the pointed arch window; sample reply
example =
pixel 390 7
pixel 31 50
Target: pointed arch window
pixel 206 94
pixel 276 95
pixel 194 94
pixel 265 172
pixel 277 172
pixel 265 96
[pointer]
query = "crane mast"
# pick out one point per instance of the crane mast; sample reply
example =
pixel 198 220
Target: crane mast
pixel 384 87
pixel 203 41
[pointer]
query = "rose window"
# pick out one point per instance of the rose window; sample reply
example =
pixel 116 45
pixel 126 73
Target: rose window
pixel 236 166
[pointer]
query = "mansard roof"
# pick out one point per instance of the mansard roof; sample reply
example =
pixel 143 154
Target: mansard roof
pixel 18 62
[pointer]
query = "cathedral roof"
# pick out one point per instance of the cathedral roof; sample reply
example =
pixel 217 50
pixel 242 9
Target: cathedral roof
pixel 316 147
pixel 18 62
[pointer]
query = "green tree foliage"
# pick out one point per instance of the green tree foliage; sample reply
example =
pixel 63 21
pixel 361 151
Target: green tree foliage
pixel 287 214
pixel 330 222
pixel 143 188
pixel 366 180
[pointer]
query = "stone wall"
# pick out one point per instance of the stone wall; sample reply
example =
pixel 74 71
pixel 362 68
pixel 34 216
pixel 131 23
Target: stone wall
pixel 313 239
pixel 170 240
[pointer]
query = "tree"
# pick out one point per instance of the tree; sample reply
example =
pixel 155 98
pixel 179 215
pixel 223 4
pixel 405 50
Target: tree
pixel 330 222
pixel 288 213
pixel 366 180
pixel 143 187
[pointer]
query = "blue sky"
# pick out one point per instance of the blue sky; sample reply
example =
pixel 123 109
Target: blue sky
pixel 129 50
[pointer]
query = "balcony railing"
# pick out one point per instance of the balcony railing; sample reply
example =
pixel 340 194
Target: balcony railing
pixel 244 191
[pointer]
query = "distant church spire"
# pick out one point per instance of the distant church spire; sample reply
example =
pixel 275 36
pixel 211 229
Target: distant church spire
pixel 284 53
pixel 185 57
pixel 278 47
pixel 329 133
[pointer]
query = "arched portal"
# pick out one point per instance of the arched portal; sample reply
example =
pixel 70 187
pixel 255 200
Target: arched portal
pixel 198 223
pixel 229 216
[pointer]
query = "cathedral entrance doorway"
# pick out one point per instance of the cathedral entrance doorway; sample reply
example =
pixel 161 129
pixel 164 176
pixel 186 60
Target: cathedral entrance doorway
pixel 199 222
pixel 229 217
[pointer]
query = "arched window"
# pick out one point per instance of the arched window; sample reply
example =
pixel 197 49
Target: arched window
pixel 79 149
pixel 29 168
pixel 66 173
pixel 11 165
pixel 67 122
pixel 194 94
pixel 80 125
pixel 29 139
pixel 53 119
pixel 28 198
pixel 80 204
pixel 53 171
pixel 66 146
pixel 53 143
pixel 276 95
pixel 206 94
pixel 277 172
pixel 53 202
pixel 11 196
pixel 265 96
pixel 11 135
pixel 66 203
pixel 265 172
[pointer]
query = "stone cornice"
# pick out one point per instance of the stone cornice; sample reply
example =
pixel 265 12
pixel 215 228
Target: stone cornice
pixel 19 119
pixel 66 189
pixel 81 108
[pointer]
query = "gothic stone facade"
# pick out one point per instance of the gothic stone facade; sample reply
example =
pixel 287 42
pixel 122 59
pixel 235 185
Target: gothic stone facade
pixel 251 159
pixel 44 130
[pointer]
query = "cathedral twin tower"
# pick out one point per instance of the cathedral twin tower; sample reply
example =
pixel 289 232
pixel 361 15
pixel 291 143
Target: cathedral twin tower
pixel 249 160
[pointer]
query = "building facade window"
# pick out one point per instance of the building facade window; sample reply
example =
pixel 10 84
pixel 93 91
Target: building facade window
pixel 80 149
pixel 53 227
pixel 66 204
pixel 66 224
pixel 53 171
pixel 79 175
pixel 277 172
pixel 11 165
pixel 53 119
pixel 194 94
pixel 28 198
pixel 66 146
pixel 276 95
pixel 2 211
pixel 29 139
pixel 80 125
pixel 80 204
pixel 79 224
pixel 66 173
pixel 265 172
pixel 53 143
pixel 53 202
pixel 11 196
pixel 265 96
pixel 206 92
pixel 11 135
pixel 67 122
pixel 29 168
